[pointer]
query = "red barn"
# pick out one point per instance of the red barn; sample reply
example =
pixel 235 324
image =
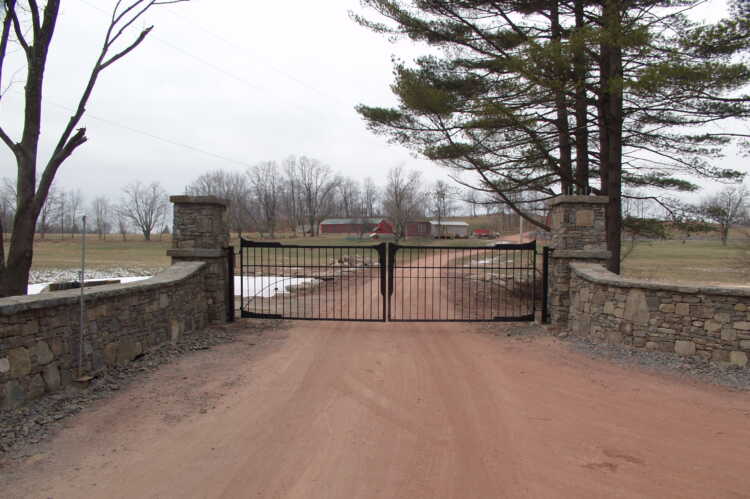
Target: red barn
pixel 351 225
pixel 384 227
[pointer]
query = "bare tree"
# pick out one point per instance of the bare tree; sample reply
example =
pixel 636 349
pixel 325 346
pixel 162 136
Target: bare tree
pixel 232 186
pixel 292 195
pixel 265 184
pixel 370 198
pixel 75 204
pixel 726 208
pixel 47 213
pixel 316 186
pixel 122 223
pixel 101 211
pixel 402 198
pixel 349 198
pixel 145 206
pixel 472 199
pixel 441 202
pixel 7 211
pixel 35 43
pixel 61 211
pixel 489 204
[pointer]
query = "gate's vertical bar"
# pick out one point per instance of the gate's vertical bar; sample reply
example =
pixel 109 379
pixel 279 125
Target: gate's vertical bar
pixel 435 277
pixel 475 288
pixel 383 262
pixel 310 271
pixel 242 278
pixel 230 283
pixel 303 283
pixel 533 282
pixel 391 287
pixel 545 283
pixel 280 273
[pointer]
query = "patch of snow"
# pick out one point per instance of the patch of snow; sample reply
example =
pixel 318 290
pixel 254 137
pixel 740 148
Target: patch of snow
pixel 35 289
pixel 48 275
pixel 266 286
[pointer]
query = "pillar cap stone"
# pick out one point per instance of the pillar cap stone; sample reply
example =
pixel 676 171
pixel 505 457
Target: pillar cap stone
pixel 199 200
pixel 578 200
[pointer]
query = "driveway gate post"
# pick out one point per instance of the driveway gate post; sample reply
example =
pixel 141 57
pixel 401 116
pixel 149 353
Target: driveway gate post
pixel 578 235
pixel 201 233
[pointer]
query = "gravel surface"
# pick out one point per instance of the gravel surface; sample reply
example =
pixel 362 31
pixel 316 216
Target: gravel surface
pixel 723 374
pixel 40 419
pixel 695 368
pixel 62 275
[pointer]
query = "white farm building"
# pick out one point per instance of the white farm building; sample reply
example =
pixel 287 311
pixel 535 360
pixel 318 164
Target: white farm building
pixel 449 229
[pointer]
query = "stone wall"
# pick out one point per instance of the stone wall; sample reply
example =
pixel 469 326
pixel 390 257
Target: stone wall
pixel 40 334
pixel 710 322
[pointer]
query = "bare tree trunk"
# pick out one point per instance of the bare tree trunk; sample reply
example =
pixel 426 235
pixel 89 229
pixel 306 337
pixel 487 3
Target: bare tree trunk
pixel 15 276
pixel 610 116
pixel 562 123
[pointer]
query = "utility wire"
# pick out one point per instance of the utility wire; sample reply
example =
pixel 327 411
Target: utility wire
pixel 236 45
pixel 151 135
pixel 173 142
pixel 219 69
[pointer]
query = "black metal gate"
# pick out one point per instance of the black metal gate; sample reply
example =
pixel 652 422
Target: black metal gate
pixel 462 284
pixel 389 282
pixel 333 283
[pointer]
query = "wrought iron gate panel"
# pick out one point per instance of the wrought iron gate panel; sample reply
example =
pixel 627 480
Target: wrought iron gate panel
pixel 338 283
pixel 455 284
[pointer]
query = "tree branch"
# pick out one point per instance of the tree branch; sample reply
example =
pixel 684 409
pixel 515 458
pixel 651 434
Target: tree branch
pixel 127 50
pixel 8 141
pixel 18 31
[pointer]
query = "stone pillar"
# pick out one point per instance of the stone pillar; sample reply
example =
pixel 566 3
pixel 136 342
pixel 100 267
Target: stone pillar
pixel 201 233
pixel 578 235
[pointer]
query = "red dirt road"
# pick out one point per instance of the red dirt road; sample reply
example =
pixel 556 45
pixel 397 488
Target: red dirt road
pixel 350 411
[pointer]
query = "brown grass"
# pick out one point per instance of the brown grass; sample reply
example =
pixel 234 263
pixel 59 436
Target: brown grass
pixel 705 262
pixel 62 253
pixel 696 261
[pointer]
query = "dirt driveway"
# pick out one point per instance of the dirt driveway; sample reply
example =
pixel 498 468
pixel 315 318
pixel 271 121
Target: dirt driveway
pixel 345 410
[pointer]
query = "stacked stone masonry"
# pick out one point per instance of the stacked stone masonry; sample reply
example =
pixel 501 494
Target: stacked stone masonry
pixel 201 234
pixel 710 322
pixel 40 334
pixel 578 223
pixel 578 235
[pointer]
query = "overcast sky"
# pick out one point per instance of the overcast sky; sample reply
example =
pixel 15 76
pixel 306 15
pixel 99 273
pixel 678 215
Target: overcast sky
pixel 243 81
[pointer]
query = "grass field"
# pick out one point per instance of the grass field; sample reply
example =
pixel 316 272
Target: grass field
pixel 696 261
pixel 705 262
pixel 55 252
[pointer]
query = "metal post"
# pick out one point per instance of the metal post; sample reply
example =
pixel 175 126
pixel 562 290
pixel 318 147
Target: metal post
pixel 545 284
pixel 83 302
pixel 230 284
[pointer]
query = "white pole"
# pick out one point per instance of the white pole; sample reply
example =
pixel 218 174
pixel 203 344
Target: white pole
pixel 520 229
pixel 83 303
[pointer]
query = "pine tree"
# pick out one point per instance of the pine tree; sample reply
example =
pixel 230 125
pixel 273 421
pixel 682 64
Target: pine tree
pixel 626 91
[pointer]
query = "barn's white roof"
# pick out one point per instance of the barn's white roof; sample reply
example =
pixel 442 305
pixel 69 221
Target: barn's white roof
pixel 449 223
pixel 340 221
